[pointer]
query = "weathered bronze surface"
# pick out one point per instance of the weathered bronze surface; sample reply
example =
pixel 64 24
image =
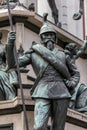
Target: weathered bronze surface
pixel 55 12
pixel 56 77
pixel 78 101
pixel 7 77
pixel 78 15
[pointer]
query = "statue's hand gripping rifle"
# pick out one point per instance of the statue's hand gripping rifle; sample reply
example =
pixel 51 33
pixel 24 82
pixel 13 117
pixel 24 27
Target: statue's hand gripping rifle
pixel 19 76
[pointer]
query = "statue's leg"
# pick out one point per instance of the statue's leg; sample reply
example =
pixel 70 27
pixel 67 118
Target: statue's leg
pixel 81 102
pixel 41 114
pixel 55 12
pixel 59 112
pixel 80 6
pixel 5 86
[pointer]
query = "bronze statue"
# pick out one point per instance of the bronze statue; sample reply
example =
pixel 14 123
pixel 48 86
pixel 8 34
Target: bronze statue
pixel 78 101
pixel 72 50
pixel 54 9
pixel 78 15
pixel 55 12
pixel 7 77
pixel 50 93
pixel 80 97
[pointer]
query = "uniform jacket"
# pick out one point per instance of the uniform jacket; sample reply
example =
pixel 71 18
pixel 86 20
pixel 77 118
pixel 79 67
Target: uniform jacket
pixel 51 83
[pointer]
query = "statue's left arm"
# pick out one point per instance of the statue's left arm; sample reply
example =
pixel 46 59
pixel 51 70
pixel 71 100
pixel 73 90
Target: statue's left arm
pixel 75 75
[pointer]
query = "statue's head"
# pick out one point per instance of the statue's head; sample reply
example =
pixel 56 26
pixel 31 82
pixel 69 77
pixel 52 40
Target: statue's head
pixel 0 35
pixel 47 33
pixel 71 48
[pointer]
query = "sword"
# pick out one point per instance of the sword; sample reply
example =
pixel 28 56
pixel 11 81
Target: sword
pixel 18 70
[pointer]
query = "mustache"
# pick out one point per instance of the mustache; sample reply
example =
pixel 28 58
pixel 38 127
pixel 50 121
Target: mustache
pixel 49 40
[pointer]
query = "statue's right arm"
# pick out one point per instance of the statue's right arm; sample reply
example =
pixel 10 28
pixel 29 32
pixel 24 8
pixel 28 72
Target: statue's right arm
pixel 23 60
pixel 10 49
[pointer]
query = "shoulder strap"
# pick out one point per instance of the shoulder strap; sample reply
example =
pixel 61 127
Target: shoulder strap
pixel 52 59
pixel 38 78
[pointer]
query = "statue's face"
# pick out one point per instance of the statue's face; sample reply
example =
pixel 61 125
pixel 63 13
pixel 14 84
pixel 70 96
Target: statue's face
pixel 48 39
pixel 71 48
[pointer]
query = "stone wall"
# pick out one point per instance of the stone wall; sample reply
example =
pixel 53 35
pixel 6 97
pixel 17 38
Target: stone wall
pixel 66 12
pixel 85 5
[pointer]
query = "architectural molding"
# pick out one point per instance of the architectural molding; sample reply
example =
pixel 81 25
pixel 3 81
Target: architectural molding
pixel 33 22
pixel 15 106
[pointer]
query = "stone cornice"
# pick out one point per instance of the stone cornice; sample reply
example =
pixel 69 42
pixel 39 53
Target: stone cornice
pixel 33 22
pixel 77 118
pixel 17 11
pixel 36 19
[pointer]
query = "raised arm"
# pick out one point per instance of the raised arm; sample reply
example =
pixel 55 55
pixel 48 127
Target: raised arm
pixel 81 50
pixel 23 60
pixel 10 49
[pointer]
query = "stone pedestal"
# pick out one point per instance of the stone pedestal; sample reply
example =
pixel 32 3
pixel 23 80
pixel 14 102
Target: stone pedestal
pixel 12 116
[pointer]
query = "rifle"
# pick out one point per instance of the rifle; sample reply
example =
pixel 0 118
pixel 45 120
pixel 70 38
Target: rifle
pixel 19 76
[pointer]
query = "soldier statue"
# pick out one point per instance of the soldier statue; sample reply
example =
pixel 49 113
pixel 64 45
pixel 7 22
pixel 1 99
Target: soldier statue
pixel 78 101
pixel 50 92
